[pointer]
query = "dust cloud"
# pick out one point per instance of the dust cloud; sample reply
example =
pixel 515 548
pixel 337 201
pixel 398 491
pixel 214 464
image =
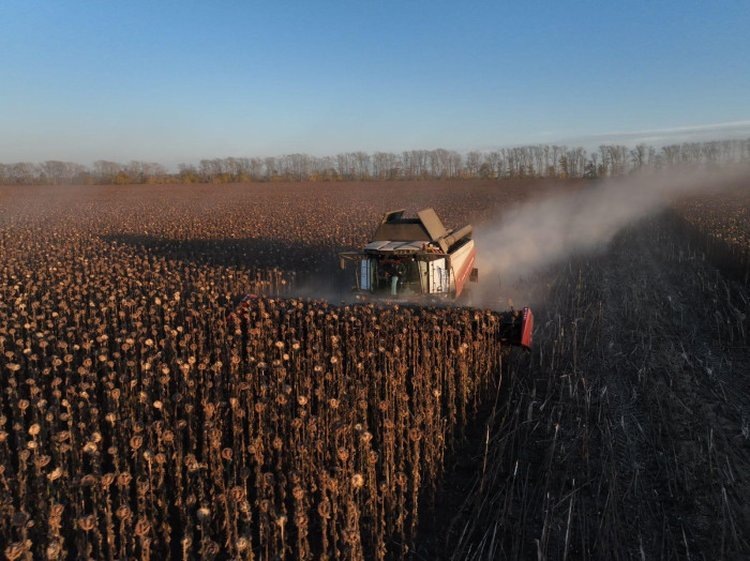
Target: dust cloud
pixel 526 240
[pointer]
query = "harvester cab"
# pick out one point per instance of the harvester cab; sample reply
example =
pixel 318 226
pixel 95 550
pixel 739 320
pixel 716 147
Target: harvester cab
pixel 414 256
pixel 420 259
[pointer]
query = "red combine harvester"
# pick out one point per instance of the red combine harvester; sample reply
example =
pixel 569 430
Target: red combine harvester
pixel 416 259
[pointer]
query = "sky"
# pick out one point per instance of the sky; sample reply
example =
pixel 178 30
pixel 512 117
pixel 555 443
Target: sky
pixel 176 81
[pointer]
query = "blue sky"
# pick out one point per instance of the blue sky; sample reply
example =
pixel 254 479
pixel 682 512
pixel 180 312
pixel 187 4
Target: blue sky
pixel 177 81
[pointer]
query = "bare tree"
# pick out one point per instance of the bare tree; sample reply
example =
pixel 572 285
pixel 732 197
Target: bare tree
pixel 362 165
pixel 271 168
pixel 474 161
pixel 106 171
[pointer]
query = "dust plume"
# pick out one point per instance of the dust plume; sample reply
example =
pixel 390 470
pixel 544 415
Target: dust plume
pixel 534 236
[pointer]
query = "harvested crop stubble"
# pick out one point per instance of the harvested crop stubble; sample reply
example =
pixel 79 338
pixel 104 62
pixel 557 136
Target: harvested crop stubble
pixel 628 438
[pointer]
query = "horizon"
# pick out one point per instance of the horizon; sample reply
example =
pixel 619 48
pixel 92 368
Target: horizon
pixel 691 137
pixel 656 139
pixel 181 82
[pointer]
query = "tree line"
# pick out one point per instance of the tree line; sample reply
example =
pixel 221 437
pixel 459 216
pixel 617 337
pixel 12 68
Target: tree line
pixel 534 161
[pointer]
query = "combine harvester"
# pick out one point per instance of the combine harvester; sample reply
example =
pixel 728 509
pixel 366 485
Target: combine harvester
pixel 417 259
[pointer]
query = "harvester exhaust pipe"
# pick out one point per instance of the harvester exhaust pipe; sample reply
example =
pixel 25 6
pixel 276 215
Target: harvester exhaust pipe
pixel 452 238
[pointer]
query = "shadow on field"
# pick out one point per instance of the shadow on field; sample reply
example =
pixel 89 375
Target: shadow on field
pixel 312 265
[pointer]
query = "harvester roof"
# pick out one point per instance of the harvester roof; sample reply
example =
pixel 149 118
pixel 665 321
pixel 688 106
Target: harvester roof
pixel 408 235
pixel 426 227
